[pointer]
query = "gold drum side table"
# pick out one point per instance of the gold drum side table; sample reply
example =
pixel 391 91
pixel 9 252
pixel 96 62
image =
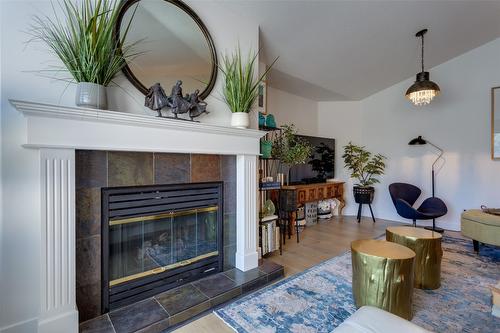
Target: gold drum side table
pixel 382 276
pixel 427 246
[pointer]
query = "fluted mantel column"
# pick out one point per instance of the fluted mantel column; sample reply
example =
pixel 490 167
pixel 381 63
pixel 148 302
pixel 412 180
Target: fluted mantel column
pixel 246 217
pixel 57 279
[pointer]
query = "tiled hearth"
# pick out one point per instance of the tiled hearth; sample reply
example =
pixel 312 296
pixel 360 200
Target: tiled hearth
pixel 97 169
pixel 175 306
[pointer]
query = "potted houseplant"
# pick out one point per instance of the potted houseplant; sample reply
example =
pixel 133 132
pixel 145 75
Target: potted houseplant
pixel 83 39
pixel 241 87
pixel 364 167
pixel 290 149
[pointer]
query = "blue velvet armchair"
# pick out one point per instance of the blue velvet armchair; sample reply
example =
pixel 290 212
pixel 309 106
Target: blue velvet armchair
pixel 404 197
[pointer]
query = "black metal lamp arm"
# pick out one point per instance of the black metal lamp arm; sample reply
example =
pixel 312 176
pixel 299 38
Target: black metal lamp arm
pixel 441 151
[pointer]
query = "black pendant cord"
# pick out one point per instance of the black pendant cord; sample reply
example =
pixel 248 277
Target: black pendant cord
pixel 422 54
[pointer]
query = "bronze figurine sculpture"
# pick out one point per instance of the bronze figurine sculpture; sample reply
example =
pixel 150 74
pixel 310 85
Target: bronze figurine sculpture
pixel 156 100
pixel 198 106
pixel 178 104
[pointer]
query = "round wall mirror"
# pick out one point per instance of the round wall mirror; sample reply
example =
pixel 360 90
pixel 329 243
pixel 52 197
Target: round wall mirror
pixel 174 44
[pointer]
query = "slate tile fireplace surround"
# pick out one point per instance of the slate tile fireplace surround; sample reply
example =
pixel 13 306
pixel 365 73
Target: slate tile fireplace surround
pixel 101 169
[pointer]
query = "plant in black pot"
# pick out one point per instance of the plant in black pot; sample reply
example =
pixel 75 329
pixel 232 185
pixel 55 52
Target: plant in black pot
pixel 364 167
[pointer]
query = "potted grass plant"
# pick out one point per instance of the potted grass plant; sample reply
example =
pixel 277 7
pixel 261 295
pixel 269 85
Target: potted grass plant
pixel 82 37
pixel 241 87
pixel 364 167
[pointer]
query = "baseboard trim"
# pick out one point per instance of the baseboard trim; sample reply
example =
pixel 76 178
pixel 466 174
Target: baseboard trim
pixel 66 322
pixel 25 326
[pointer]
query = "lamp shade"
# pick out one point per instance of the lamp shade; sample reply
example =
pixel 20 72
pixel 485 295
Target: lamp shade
pixel 417 141
pixel 423 90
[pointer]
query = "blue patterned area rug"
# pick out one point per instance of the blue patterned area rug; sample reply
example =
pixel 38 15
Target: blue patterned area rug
pixel 320 298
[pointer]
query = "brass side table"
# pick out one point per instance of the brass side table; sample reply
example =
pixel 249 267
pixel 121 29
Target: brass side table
pixel 382 276
pixel 427 246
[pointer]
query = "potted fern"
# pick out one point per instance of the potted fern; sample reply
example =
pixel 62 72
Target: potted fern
pixel 241 87
pixel 83 39
pixel 364 167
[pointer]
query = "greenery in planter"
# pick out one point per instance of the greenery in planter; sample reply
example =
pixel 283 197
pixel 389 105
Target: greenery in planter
pixel 83 40
pixel 362 165
pixel 241 88
pixel 289 148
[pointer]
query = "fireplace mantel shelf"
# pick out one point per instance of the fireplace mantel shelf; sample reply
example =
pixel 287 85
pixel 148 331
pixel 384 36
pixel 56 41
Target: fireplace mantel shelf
pixel 54 126
pixel 77 113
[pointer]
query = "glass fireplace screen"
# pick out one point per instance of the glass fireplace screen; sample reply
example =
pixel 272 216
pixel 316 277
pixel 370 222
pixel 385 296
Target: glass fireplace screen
pixel 145 245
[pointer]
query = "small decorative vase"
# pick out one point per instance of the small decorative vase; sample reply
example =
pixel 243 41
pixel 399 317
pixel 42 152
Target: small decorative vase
pixel 240 119
pixel 262 120
pixel 270 121
pixel 285 170
pixel 91 95
pixel 266 148
pixel 280 177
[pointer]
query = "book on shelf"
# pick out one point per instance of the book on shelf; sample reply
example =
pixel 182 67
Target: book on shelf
pixel 277 237
pixel 269 218
pixel 270 185
pixel 269 236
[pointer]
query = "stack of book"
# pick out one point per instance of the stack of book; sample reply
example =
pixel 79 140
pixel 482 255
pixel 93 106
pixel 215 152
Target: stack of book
pixel 270 186
pixel 269 234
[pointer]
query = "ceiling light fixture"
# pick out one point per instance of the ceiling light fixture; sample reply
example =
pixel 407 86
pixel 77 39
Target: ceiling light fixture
pixel 423 90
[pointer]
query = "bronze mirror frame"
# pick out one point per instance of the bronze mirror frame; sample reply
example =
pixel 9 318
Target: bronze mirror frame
pixel 126 4
pixel 493 157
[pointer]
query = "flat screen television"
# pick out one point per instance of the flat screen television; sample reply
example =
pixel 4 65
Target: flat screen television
pixel 321 163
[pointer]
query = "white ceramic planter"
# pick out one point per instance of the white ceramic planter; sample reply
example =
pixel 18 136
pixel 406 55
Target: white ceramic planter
pixel 91 95
pixel 240 120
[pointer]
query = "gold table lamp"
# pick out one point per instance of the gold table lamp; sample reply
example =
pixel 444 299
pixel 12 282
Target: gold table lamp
pixel 382 276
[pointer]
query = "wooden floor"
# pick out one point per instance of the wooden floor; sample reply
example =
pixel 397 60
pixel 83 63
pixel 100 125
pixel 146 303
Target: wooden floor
pixel 318 243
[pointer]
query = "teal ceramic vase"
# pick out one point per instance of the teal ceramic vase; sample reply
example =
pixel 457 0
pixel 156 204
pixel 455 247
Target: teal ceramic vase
pixel 262 120
pixel 270 122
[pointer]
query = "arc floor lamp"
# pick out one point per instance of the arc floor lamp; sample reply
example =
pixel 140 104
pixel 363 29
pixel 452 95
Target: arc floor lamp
pixel 421 141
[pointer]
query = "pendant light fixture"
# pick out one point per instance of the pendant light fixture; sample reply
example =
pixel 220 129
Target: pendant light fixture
pixel 423 90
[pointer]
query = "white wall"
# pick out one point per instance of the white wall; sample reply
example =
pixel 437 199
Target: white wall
pixel 341 121
pixel 288 108
pixel 458 121
pixel 20 229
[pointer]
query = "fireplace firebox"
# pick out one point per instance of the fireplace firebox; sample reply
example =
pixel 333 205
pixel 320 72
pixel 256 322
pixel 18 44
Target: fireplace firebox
pixel 158 237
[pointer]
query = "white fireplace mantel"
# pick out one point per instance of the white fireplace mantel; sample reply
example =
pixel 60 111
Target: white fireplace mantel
pixel 52 126
pixel 57 131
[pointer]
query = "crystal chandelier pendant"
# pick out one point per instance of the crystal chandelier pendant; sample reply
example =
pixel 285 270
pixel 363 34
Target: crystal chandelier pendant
pixel 423 91
pixel 422 97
